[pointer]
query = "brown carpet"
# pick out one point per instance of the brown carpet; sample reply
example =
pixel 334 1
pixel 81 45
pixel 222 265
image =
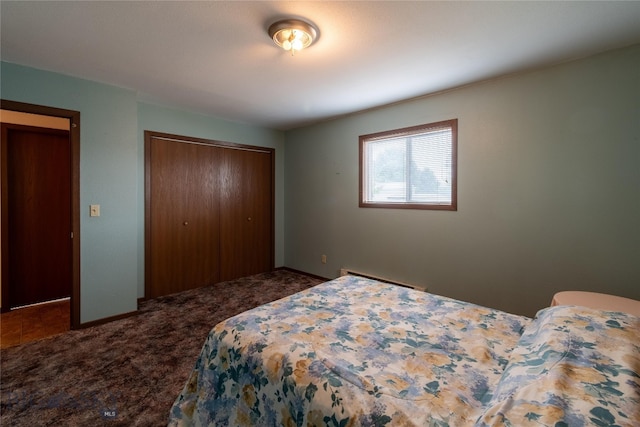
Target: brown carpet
pixel 126 372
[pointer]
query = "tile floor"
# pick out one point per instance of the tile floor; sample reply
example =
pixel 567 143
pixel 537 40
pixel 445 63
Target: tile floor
pixel 33 323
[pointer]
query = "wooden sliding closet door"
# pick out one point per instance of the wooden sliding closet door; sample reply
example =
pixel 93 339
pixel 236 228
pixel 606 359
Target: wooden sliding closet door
pixel 183 220
pixel 246 215
pixel 209 212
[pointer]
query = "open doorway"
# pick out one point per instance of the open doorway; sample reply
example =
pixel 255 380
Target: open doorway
pixel 53 153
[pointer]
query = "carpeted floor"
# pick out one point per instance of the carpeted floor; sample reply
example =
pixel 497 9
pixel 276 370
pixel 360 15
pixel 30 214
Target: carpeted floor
pixel 126 372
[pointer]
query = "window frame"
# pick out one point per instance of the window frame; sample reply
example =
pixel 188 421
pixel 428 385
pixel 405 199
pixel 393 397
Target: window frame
pixel 451 124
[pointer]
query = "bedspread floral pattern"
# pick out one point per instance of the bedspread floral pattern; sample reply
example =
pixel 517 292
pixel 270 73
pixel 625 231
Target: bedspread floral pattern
pixel 350 352
pixel 573 366
pixel 356 352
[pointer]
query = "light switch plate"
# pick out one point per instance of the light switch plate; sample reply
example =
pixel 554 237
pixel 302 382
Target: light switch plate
pixel 94 210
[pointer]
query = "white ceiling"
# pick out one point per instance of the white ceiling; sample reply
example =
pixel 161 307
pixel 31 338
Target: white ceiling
pixel 216 58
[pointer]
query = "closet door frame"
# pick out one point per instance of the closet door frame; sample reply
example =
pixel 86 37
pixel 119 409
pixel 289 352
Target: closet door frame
pixel 148 138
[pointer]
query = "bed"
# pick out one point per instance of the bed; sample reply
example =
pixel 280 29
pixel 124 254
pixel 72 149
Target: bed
pixel 358 352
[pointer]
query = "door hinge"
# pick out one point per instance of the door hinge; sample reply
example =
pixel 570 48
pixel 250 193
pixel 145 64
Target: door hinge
pixel 72 234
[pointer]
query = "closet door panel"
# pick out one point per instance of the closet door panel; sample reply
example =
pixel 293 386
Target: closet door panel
pixel 184 221
pixel 246 207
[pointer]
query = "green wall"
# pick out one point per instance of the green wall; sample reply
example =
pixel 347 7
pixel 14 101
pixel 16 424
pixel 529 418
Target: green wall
pixel 108 174
pixel 112 123
pixel 548 186
pixel 548 190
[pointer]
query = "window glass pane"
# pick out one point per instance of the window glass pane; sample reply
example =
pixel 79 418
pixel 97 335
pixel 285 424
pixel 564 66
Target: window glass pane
pixel 411 167
pixel 386 165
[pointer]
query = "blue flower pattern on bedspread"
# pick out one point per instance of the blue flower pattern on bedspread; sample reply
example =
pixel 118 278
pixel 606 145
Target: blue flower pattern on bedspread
pixel 357 352
pixel 573 366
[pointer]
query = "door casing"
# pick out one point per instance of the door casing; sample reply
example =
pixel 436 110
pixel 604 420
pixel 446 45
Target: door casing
pixel 74 135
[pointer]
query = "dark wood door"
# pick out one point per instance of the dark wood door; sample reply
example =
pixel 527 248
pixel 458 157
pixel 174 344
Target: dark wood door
pixel 183 222
pixel 246 215
pixel 209 212
pixel 38 197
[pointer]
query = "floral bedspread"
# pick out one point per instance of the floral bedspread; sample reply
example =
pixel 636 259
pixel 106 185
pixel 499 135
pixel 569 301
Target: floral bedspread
pixel 357 352
pixel 351 351
pixel 573 366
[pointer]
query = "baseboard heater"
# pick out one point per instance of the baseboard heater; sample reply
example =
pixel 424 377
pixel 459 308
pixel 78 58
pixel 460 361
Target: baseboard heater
pixel 349 272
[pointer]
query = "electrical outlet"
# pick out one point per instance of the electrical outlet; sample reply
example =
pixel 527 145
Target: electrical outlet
pixel 323 259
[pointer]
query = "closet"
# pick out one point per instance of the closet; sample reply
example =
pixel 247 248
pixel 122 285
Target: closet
pixel 209 212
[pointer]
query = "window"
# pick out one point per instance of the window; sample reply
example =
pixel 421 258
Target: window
pixel 410 168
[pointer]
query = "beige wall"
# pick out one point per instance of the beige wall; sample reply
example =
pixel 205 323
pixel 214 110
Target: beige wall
pixel 18 118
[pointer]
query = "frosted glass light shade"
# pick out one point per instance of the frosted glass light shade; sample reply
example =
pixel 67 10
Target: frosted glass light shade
pixel 292 34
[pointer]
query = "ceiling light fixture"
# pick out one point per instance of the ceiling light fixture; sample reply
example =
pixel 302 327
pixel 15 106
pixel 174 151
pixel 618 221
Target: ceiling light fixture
pixel 293 34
